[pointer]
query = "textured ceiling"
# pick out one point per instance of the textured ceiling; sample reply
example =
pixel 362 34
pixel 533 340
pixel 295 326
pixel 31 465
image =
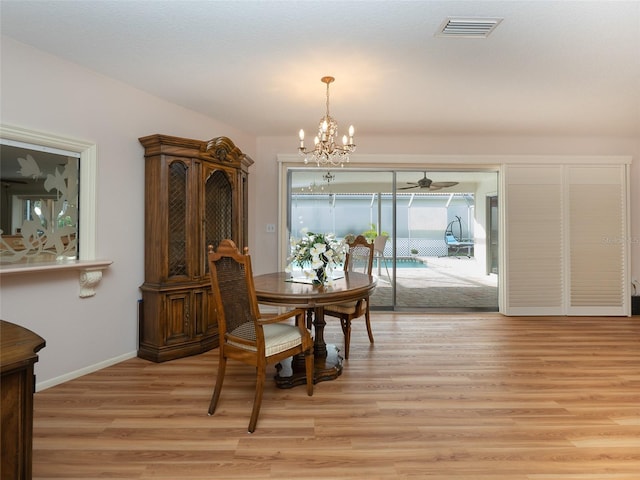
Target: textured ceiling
pixel 549 68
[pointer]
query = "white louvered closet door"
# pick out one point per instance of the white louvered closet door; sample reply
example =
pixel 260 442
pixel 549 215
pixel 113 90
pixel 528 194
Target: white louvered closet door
pixel 564 240
pixel 533 274
pixel 596 240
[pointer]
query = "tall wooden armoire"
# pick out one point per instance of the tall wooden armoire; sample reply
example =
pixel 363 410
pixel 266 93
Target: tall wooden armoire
pixel 195 196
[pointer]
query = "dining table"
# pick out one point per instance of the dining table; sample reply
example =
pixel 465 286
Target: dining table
pixel 285 289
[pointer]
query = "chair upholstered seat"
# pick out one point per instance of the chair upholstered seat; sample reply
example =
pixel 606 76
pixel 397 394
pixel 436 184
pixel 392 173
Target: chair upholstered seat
pixel 278 337
pixel 348 308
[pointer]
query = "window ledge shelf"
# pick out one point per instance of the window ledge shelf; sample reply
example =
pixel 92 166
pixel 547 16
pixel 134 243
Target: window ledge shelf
pixel 90 271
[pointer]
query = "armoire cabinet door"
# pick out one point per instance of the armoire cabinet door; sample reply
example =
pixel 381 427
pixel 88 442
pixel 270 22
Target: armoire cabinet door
pixel 218 208
pixel 178 220
pixel 189 316
pixel 205 323
pixel 178 314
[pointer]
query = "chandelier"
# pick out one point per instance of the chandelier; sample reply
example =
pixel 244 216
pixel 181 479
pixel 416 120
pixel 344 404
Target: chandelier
pixel 326 152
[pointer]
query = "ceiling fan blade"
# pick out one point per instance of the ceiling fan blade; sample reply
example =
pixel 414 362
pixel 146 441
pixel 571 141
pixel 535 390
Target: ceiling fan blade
pixel 443 184
pixel 426 184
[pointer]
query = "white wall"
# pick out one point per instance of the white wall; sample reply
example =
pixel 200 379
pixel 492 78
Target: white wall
pixel 42 92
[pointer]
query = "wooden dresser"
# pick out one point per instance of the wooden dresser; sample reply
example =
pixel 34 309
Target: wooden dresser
pixel 18 354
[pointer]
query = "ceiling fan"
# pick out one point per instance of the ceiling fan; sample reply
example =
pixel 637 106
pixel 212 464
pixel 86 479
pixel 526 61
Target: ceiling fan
pixel 427 183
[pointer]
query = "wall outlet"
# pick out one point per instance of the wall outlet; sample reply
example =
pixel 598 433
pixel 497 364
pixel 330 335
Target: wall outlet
pixel 271 228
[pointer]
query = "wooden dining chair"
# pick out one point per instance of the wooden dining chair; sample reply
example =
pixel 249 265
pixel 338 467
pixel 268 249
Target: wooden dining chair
pixel 359 259
pixel 245 334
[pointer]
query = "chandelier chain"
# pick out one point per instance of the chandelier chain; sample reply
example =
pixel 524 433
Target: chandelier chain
pixel 327 101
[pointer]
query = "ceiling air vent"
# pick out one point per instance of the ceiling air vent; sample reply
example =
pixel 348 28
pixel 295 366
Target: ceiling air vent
pixel 468 27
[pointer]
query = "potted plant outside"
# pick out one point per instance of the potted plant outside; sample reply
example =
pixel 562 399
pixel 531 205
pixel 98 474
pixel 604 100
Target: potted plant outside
pixel 372 233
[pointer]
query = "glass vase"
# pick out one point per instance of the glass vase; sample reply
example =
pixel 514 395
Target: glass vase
pixel 321 276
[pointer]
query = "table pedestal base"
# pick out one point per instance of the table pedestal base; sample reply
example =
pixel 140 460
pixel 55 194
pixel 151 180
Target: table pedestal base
pixel 291 372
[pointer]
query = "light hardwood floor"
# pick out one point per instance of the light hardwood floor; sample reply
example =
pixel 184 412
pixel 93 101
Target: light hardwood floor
pixel 473 396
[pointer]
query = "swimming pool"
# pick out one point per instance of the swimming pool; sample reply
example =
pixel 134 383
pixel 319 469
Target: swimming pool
pixel 406 263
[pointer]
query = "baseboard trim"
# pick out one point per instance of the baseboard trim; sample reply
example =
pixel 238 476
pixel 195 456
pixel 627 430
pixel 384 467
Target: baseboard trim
pixel 83 371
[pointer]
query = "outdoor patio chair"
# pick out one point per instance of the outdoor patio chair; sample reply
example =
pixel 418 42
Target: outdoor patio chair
pixel 454 245
pixel 453 241
pixel 378 250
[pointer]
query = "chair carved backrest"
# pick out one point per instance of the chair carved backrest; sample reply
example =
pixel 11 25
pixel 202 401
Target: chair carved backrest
pixel 359 256
pixel 234 298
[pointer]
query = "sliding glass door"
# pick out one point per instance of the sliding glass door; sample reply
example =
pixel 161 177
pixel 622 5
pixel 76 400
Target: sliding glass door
pixel 430 239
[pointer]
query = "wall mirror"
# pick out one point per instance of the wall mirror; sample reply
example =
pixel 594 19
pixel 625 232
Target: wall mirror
pixel 39 203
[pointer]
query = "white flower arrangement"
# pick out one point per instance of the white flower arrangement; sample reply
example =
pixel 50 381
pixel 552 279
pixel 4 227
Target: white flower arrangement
pixel 321 252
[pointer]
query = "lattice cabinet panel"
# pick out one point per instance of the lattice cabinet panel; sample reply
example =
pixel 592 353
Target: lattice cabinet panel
pixel 177 231
pixel 218 208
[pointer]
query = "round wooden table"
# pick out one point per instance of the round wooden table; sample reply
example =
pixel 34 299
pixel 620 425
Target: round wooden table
pixel 279 289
